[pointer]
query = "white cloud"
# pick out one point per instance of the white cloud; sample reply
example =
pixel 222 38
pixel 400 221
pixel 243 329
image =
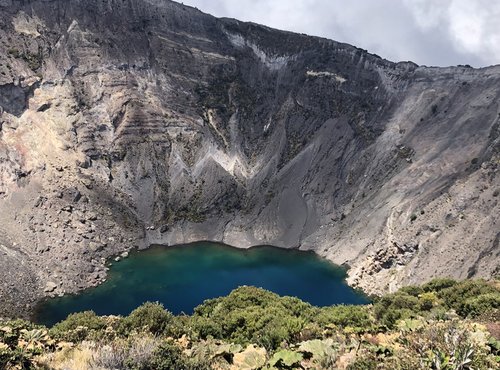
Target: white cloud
pixel 428 14
pixel 472 26
pixel 432 32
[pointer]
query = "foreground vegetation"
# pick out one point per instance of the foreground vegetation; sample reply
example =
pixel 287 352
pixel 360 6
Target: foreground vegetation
pixel 441 325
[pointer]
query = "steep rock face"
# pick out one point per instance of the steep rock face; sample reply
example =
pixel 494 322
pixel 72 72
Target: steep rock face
pixel 128 123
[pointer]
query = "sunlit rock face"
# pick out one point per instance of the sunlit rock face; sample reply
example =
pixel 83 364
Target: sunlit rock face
pixel 128 123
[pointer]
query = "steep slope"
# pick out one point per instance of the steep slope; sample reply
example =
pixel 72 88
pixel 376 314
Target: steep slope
pixel 127 123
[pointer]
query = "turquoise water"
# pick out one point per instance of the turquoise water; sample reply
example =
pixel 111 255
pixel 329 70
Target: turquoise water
pixel 182 277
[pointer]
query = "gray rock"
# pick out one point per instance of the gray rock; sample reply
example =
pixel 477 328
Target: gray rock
pixel 50 287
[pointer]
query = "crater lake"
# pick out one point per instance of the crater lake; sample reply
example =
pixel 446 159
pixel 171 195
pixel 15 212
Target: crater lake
pixel 182 277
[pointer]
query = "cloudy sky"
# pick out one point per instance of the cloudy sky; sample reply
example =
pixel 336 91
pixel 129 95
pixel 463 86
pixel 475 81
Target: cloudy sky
pixel 430 32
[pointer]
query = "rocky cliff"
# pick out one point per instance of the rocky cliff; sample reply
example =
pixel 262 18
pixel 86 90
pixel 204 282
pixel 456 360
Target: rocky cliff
pixel 125 123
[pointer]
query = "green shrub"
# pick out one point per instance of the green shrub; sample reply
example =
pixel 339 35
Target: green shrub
pixel 393 307
pixel 427 301
pixel 205 327
pixel 150 317
pixel 78 326
pixel 179 325
pixel 170 357
pixel 455 297
pixel 272 328
pixel 412 290
pixel 481 304
pixel 357 317
pixel 439 284
pixel 252 315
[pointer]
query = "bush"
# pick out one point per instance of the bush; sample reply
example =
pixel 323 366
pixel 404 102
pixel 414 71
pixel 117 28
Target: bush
pixel 78 326
pixel 437 285
pixel 357 317
pixel 150 317
pixel 412 290
pixel 252 315
pixel 393 307
pixel 169 357
pixel 455 297
pixel 179 326
pixel 205 327
pixel 482 304
pixel 427 301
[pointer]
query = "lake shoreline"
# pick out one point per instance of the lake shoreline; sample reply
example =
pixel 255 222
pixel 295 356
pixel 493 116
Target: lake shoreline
pixel 292 256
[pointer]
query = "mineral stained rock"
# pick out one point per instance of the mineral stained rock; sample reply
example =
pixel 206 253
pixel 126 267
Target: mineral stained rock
pixel 127 123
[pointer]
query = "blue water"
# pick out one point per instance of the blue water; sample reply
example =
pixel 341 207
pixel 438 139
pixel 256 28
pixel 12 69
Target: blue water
pixel 182 277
